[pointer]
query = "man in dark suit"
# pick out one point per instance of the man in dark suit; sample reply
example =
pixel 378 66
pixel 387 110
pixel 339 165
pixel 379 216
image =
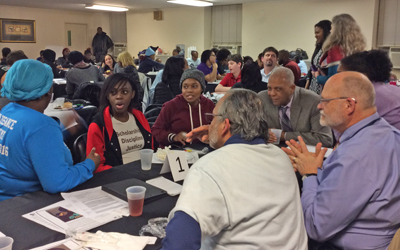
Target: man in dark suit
pixel 293 110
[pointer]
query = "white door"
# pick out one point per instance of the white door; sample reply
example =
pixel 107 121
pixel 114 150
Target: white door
pixel 76 37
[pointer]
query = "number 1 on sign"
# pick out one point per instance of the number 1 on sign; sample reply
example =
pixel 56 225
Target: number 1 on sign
pixel 180 165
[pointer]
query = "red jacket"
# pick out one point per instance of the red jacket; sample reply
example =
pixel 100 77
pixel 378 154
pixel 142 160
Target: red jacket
pixel 102 136
pixel 177 116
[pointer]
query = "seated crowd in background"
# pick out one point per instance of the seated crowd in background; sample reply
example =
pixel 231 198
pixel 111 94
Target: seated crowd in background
pixel 209 66
pixel 63 60
pixel 169 87
pixel 80 72
pixel 350 200
pixel 108 65
pixel 235 63
pixel 149 63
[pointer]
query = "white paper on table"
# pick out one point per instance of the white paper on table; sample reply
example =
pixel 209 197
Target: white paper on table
pixel 312 149
pixel 117 241
pixel 67 117
pixel 59 81
pixel 70 243
pixel 171 187
pixel 277 133
pixel 62 218
pixel 94 202
pixel 191 157
pixel 216 82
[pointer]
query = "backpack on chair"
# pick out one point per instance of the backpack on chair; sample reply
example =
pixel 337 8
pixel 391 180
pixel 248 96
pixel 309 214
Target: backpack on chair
pixel 89 91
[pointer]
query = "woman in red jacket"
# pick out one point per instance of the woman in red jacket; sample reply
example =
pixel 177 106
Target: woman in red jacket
pixel 119 130
pixel 185 112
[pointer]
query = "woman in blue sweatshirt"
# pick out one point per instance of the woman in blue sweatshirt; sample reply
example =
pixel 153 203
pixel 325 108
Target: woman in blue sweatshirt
pixel 33 155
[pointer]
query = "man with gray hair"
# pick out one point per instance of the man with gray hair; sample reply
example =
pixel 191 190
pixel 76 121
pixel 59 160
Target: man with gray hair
pixel 292 111
pixel 351 200
pixel 243 195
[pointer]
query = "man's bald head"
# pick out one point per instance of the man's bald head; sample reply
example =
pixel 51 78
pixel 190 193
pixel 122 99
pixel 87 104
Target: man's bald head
pixel 347 98
pixel 283 75
pixel 354 84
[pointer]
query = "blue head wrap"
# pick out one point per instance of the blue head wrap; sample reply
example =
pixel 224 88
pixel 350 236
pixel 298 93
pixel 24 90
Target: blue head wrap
pixel 149 52
pixel 27 80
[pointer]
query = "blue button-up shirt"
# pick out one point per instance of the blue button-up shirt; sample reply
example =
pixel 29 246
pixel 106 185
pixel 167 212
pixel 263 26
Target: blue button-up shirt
pixel 354 201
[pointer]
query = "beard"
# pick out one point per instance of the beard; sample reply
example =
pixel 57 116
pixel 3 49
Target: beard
pixel 329 121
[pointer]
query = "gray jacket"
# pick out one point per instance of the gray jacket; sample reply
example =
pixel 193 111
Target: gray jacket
pixel 77 76
pixel 304 117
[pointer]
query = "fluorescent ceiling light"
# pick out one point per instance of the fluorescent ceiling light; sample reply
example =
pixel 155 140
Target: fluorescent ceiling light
pixel 196 3
pixel 103 7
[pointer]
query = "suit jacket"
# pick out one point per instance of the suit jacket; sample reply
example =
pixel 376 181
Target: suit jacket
pixel 304 117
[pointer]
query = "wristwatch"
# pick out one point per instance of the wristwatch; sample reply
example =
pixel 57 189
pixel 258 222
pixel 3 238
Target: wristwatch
pixel 306 175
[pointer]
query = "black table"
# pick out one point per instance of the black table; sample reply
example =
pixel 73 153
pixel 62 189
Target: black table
pixel 28 234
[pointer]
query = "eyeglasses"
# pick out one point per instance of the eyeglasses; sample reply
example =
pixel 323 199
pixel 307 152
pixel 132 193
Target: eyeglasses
pixel 212 55
pixel 337 98
pixel 210 116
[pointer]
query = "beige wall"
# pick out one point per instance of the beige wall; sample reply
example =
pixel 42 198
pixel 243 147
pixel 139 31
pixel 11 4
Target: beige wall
pixel 50 26
pixel 190 26
pixel 290 24
pixel 264 24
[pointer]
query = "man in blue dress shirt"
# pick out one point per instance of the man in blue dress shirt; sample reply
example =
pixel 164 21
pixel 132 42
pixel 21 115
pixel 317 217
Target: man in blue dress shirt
pixel 352 199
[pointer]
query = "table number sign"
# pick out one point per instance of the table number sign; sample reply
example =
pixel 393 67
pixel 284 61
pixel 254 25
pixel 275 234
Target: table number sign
pixel 176 163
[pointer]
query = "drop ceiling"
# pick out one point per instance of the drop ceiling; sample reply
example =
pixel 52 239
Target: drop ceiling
pixel 133 5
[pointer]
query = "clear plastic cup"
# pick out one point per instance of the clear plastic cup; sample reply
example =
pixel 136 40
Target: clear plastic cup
pixel 146 156
pixel 59 102
pixel 6 243
pixel 135 196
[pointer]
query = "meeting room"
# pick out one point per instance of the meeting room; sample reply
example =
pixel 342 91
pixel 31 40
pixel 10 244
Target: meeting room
pixel 200 124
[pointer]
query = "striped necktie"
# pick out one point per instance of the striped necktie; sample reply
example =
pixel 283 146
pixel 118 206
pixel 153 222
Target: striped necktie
pixel 285 121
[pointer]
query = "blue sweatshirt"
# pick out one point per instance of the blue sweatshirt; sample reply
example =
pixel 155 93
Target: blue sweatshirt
pixel 33 155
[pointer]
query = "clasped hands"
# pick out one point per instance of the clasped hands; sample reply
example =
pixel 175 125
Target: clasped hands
pixel 302 160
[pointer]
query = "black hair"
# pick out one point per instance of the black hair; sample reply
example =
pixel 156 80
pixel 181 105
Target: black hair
pixel 109 85
pixel 5 51
pixel 237 58
pixel 106 67
pixel 251 75
pixel 247 59
pixel 205 55
pixel 191 53
pixel 269 49
pixel 173 67
pixel 326 27
pixel 284 56
pixel 75 56
pixel 15 56
pixel 222 54
pixel 215 50
pixel 87 51
pixel 49 55
pixel 175 50
pixel 260 56
pixel 375 64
